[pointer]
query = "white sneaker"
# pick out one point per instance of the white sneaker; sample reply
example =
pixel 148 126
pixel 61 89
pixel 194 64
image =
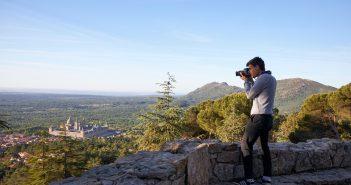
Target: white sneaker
pixel 265 180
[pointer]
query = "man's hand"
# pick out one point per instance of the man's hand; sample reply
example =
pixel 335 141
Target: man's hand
pixel 243 77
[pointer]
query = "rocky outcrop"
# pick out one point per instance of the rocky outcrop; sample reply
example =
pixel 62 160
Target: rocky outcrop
pixel 201 162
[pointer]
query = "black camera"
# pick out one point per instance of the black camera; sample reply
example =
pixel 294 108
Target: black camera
pixel 245 72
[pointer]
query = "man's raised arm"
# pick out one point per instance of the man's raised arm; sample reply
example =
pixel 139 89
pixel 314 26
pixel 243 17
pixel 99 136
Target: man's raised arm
pixel 254 89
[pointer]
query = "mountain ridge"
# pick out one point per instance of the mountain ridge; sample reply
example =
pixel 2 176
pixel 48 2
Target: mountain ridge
pixel 289 95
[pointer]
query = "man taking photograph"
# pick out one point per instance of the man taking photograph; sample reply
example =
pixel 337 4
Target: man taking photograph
pixel 262 92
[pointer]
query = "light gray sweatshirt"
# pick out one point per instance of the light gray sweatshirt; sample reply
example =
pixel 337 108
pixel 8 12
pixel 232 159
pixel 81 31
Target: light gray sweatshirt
pixel 262 92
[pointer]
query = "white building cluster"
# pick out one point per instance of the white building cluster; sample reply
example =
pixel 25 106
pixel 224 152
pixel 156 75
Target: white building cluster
pixel 77 129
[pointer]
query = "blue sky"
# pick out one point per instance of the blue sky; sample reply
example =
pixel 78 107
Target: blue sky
pixel 128 46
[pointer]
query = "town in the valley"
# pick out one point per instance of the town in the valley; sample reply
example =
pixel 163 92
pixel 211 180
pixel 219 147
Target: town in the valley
pixel 73 129
pixel 81 130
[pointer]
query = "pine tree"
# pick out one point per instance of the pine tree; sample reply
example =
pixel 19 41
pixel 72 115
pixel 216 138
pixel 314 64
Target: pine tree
pixel 321 115
pixel 223 118
pixel 43 166
pixel 72 156
pixel 163 121
pixel 3 123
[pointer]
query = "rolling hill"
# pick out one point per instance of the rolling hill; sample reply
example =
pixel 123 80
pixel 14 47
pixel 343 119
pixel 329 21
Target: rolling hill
pixel 211 90
pixel 289 96
pixel 292 92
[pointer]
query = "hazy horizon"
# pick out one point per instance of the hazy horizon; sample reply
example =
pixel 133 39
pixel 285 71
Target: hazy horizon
pixel 104 93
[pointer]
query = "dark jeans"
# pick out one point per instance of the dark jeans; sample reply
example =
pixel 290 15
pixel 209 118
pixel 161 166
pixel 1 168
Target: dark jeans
pixel 258 126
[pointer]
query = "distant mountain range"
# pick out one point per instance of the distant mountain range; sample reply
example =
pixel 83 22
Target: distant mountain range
pixel 289 96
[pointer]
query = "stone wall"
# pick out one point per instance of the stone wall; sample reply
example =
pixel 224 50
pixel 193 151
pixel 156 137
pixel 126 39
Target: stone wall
pixel 201 162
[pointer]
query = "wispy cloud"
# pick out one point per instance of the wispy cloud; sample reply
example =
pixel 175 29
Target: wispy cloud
pixel 192 37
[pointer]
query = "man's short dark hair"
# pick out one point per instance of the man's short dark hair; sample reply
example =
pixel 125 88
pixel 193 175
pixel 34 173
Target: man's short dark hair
pixel 257 61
